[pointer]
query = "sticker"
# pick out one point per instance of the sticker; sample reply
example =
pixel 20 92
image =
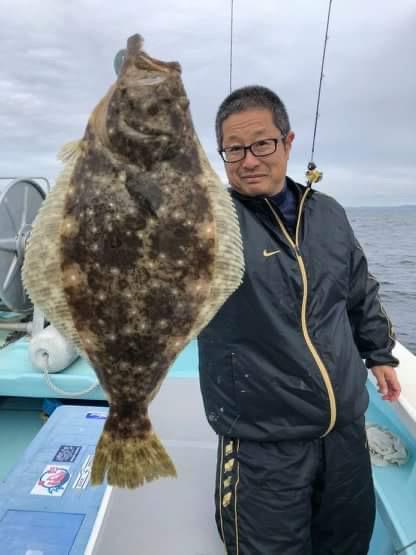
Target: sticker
pixel 53 481
pixel 83 478
pixel 67 453
pixel 97 415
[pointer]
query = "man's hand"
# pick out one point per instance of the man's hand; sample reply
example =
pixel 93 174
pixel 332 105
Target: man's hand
pixel 387 381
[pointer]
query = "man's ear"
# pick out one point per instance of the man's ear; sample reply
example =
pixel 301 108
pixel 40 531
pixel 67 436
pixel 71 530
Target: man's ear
pixel 290 138
pixel 288 142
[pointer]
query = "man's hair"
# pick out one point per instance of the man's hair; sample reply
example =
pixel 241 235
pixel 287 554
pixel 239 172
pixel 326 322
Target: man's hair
pixel 253 96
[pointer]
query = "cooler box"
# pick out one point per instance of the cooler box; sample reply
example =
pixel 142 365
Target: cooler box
pixel 47 506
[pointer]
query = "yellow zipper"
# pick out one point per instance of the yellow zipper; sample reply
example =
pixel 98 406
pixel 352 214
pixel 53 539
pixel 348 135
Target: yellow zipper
pixel 312 349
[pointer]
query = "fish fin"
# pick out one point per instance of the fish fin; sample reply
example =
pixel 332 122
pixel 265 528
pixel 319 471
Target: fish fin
pixel 130 462
pixel 70 150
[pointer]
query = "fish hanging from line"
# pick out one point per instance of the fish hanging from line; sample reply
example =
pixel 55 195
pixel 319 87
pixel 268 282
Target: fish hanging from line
pixel 133 252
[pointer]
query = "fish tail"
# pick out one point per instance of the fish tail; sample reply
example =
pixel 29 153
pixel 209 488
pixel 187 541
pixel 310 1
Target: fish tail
pixel 130 462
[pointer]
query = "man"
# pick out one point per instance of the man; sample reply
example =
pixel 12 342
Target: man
pixel 281 368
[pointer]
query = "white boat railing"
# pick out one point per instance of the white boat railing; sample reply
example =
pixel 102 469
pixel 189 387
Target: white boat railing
pixel 405 406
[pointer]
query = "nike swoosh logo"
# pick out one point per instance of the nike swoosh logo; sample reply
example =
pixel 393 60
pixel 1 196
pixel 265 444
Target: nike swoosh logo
pixel 270 253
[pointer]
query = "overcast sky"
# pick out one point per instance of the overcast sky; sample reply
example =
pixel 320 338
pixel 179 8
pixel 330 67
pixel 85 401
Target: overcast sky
pixel 57 62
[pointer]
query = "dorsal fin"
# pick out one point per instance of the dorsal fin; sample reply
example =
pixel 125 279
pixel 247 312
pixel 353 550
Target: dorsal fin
pixel 70 150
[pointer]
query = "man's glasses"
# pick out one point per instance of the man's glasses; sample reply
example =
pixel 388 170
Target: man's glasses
pixel 259 148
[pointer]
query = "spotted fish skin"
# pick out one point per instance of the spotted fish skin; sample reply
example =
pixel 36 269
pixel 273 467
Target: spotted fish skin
pixel 149 250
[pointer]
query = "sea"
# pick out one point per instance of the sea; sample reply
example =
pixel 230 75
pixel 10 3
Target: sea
pixel 388 238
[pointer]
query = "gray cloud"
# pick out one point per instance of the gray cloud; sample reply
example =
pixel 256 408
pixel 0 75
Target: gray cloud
pixel 57 63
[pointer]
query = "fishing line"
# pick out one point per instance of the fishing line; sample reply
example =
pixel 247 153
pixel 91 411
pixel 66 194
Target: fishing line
pixel 320 81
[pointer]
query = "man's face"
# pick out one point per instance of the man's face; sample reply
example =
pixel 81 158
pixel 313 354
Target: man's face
pixel 254 176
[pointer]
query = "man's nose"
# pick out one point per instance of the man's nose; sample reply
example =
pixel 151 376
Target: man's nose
pixel 250 161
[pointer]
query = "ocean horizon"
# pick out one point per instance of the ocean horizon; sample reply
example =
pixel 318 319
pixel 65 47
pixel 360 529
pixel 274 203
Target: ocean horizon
pixel 388 240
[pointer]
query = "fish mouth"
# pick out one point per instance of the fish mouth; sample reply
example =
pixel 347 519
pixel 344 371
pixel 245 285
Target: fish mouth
pixel 145 135
pixel 150 136
pixel 137 56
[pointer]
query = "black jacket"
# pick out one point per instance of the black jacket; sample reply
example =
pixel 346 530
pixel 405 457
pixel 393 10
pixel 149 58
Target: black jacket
pixel 282 359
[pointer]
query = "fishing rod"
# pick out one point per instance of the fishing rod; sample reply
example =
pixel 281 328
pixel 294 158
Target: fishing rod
pixel 312 173
pixel 231 42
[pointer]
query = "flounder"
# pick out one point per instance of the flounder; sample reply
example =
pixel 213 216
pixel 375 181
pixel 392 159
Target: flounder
pixel 133 252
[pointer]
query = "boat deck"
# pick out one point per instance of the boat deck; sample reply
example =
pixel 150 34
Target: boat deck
pixel 395 485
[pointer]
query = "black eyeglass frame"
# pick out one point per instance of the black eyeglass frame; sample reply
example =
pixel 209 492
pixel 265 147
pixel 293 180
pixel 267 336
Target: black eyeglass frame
pixel 222 151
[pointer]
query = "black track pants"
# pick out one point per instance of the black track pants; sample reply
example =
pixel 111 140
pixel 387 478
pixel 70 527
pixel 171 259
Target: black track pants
pixel 311 497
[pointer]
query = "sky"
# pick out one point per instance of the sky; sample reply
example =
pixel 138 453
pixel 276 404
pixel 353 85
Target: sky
pixel 57 62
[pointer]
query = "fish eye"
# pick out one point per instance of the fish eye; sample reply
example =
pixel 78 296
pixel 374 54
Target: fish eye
pixel 153 110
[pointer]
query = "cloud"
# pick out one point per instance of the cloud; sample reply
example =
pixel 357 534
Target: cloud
pixel 58 62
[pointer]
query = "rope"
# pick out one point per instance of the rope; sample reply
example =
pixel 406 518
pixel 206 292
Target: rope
pixel 60 391
pixel 320 81
pixel 231 43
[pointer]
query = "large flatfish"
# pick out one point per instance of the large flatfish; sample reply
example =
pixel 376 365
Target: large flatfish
pixel 133 252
